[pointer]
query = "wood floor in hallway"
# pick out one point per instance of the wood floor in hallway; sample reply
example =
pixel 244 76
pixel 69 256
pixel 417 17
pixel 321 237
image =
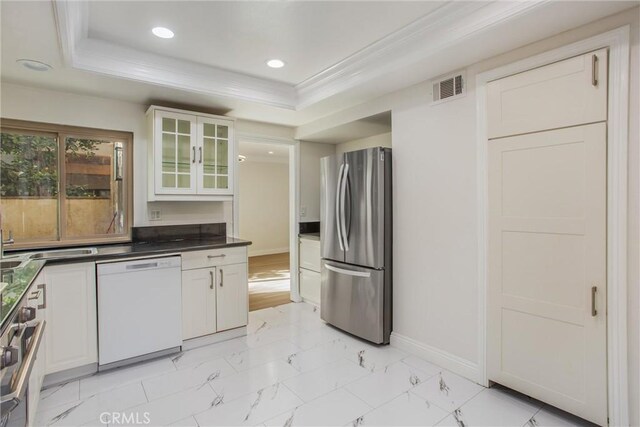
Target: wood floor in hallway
pixel 269 281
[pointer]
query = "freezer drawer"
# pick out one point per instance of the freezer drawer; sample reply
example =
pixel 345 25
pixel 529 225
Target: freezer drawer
pixel 353 299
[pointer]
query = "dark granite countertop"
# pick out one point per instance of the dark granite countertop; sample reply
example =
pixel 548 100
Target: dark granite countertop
pixel 142 249
pixel 147 242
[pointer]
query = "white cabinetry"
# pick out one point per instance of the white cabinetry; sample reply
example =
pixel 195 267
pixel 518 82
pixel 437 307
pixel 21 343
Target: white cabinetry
pixel 71 315
pixel 198 302
pixel 37 298
pixel 310 269
pixel 192 155
pixel 566 93
pixel 214 291
pixel 232 296
pixel 547 234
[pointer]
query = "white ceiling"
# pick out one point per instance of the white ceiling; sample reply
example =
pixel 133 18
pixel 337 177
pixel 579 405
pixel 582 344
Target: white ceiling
pixel 242 35
pixel 344 53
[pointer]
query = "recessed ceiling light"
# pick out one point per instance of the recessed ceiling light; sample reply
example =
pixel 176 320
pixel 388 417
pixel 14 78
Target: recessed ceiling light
pixel 275 63
pixel 34 65
pixel 270 152
pixel 162 32
pixel 241 158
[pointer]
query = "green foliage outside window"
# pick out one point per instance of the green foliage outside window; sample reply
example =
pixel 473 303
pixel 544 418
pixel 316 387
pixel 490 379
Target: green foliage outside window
pixel 29 164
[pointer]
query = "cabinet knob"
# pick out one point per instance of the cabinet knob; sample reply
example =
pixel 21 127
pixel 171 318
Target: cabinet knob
pixel 8 356
pixel 26 314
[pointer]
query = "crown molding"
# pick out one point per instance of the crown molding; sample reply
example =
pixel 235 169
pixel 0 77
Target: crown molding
pixel 446 26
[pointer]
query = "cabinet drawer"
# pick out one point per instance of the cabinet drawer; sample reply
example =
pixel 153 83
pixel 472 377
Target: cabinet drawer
pixel 310 254
pixel 310 285
pixel 213 257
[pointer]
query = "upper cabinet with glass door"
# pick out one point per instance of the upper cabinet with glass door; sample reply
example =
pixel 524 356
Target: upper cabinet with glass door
pixel 193 155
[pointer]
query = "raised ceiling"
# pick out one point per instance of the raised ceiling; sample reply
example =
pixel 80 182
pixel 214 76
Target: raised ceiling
pixel 339 53
pixel 241 36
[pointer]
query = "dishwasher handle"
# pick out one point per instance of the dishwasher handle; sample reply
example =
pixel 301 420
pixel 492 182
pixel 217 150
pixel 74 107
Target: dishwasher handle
pixel 142 266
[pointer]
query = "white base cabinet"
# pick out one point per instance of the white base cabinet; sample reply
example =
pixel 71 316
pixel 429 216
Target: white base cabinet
pixel 215 294
pixel 310 270
pixel 232 297
pixel 198 302
pixel 71 315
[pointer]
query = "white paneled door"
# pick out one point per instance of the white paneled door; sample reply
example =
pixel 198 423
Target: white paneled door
pixel 547 267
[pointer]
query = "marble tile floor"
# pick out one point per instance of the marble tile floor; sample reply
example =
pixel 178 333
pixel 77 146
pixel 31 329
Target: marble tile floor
pixel 292 369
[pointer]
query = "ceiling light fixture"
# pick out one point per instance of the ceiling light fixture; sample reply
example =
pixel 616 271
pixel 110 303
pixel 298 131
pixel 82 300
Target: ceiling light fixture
pixel 162 32
pixel 270 152
pixel 241 158
pixel 275 63
pixel 34 65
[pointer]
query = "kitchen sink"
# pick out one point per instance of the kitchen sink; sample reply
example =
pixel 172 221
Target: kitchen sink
pixel 64 253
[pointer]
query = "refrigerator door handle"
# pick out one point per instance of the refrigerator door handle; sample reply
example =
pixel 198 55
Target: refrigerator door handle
pixel 343 219
pixel 338 198
pixel 348 272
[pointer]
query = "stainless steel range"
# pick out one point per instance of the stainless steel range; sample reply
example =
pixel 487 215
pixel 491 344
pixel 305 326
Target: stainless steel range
pixel 19 344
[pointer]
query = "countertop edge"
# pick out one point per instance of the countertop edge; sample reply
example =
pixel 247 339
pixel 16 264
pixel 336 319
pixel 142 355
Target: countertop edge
pixel 145 254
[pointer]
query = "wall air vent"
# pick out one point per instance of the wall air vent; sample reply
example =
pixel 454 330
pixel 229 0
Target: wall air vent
pixel 449 87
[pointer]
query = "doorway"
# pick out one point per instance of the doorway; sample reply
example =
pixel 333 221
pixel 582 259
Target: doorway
pixel 264 219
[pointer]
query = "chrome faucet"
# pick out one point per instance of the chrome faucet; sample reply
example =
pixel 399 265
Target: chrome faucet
pixel 3 242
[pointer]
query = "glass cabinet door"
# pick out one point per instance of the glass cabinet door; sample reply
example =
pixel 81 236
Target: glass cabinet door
pixel 176 154
pixel 215 167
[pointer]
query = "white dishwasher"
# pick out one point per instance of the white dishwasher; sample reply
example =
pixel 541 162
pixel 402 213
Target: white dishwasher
pixel 139 310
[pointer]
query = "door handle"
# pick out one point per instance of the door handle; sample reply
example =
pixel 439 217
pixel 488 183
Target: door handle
pixel 348 272
pixel 19 385
pixel 594 291
pixel 43 288
pixel 221 278
pixel 194 154
pixel 212 279
pixel 345 184
pixel 594 70
pixel 343 195
pixel 338 187
pixel 200 152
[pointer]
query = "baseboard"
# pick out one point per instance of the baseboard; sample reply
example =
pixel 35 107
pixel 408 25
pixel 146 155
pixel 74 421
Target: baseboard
pixel 437 356
pixel 214 338
pixel 261 252
pixel 67 375
pixel 308 301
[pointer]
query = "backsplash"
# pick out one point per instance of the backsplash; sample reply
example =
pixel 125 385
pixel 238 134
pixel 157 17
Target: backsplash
pixel 173 232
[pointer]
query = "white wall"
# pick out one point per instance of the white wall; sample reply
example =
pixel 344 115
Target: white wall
pixel 264 206
pixel 310 155
pixel 382 140
pixel 435 225
pixel 42 105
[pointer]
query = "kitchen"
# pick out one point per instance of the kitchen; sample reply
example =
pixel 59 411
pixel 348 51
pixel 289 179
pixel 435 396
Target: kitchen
pixel 437 239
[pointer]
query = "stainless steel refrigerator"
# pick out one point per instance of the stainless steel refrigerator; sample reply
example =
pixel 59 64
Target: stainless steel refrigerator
pixel 356 233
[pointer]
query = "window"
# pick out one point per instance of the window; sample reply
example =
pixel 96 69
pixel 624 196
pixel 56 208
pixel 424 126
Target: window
pixel 91 166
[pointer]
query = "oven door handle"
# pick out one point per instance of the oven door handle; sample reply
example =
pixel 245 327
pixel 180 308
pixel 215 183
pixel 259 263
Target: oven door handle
pixel 19 385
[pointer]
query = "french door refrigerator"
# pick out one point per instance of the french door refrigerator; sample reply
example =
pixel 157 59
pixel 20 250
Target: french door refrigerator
pixel 356 231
